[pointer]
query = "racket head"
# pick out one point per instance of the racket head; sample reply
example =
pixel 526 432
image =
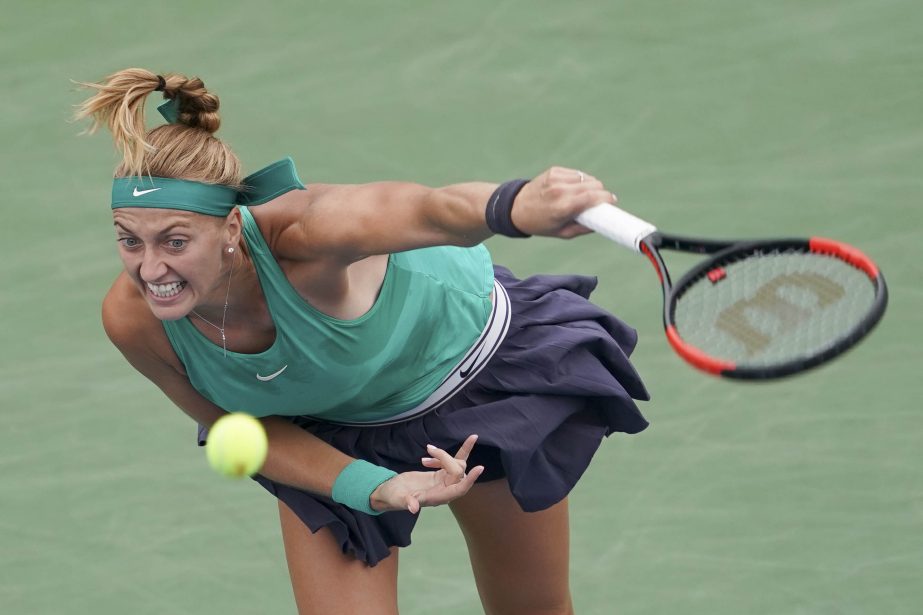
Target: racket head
pixel 762 310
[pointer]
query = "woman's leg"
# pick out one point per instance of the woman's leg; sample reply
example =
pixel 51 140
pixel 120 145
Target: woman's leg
pixel 327 581
pixel 520 560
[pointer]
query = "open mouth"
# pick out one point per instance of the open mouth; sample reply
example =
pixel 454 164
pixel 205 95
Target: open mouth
pixel 166 291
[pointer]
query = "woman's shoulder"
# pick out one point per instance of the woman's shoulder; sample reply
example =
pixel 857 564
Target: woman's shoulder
pixel 122 315
pixel 297 225
pixel 132 327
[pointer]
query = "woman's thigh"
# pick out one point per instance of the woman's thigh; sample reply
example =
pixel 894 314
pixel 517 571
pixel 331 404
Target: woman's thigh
pixel 327 581
pixel 520 560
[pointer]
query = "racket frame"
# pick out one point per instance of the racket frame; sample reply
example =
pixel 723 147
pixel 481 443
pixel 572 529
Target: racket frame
pixel 722 252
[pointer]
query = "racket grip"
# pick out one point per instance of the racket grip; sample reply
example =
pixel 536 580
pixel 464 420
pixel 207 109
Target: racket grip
pixel 617 224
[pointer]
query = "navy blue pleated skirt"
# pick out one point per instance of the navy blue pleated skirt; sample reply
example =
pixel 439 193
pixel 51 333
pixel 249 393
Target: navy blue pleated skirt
pixel 558 384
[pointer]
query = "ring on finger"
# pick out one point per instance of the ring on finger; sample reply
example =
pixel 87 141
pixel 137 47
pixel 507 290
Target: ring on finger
pixel 582 176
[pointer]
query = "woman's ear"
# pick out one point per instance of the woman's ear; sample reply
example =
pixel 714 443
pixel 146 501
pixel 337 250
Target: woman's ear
pixel 233 226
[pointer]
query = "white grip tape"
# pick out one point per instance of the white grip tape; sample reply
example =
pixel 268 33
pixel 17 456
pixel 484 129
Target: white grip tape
pixel 616 224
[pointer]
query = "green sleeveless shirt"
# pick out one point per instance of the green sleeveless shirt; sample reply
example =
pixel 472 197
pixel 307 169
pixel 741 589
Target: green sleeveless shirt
pixel 432 306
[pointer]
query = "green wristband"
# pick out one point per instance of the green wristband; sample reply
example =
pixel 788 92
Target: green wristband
pixel 354 485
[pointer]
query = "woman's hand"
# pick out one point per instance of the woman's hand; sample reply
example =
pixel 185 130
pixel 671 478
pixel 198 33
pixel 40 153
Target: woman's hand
pixel 548 204
pixel 411 490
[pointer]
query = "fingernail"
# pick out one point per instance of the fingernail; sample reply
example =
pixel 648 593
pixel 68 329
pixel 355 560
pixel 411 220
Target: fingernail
pixel 430 447
pixel 425 459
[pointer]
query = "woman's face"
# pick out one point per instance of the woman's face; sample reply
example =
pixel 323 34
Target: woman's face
pixel 177 259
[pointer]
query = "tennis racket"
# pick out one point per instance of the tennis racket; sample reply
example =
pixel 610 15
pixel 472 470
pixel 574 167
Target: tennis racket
pixel 756 310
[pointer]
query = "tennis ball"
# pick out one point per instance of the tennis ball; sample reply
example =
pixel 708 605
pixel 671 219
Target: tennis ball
pixel 236 445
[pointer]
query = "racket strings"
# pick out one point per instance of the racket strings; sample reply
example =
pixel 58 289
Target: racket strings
pixel 773 306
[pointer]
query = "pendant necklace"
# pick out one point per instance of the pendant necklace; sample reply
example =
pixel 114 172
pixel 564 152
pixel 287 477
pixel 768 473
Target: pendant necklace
pixel 224 341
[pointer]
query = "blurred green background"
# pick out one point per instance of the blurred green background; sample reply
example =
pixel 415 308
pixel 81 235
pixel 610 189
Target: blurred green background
pixel 727 118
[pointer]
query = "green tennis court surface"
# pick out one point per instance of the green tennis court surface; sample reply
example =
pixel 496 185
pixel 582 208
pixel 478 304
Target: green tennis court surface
pixel 729 118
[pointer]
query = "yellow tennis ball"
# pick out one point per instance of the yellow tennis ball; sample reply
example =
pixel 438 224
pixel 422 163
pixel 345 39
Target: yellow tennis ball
pixel 236 445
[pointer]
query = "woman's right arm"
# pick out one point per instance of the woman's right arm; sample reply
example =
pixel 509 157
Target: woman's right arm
pixel 295 457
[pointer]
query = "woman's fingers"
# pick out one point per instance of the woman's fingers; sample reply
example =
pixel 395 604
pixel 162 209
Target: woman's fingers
pixel 574 229
pixel 471 478
pixel 461 487
pixel 565 175
pixel 550 203
pixel 442 494
pixel 411 491
pixel 412 504
pixel 448 482
pixel 454 468
pixel 466 447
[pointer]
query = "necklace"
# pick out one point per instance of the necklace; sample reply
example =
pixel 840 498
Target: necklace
pixel 224 315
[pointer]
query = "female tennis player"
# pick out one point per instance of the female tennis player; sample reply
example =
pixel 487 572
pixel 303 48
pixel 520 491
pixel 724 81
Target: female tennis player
pixel 369 330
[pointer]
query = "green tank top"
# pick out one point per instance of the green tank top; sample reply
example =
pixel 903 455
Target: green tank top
pixel 432 306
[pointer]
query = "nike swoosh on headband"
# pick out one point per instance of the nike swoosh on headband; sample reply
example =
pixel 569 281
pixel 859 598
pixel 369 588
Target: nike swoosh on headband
pixel 137 192
pixel 271 376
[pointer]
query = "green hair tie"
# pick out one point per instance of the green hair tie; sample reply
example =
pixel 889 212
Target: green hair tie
pixel 170 110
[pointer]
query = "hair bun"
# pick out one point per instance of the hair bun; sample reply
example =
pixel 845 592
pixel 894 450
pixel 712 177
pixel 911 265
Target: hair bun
pixel 198 107
pixel 170 150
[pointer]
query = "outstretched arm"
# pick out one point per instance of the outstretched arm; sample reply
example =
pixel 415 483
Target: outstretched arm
pixel 356 221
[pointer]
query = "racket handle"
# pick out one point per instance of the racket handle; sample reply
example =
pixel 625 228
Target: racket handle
pixel 617 224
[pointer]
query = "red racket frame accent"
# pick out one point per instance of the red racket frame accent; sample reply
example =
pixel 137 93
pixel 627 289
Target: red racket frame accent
pixel 696 357
pixel 646 250
pixel 851 255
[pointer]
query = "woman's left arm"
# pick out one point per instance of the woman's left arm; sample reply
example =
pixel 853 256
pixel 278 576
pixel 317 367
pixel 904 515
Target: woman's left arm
pixel 356 221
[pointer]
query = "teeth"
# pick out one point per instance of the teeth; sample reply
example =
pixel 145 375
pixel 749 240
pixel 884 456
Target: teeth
pixel 166 290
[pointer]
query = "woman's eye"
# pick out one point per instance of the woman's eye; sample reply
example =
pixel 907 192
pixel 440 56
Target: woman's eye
pixel 129 242
pixel 177 244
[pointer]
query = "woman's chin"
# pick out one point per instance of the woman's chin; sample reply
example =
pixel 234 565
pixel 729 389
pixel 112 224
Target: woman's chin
pixel 169 308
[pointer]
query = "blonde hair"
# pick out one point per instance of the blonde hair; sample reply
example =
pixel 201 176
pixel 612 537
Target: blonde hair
pixel 187 149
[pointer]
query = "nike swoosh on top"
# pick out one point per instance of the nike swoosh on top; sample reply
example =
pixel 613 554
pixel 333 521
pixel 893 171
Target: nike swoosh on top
pixel 137 192
pixel 271 376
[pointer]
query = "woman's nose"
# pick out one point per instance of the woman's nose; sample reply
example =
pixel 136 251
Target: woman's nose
pixel 152 266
